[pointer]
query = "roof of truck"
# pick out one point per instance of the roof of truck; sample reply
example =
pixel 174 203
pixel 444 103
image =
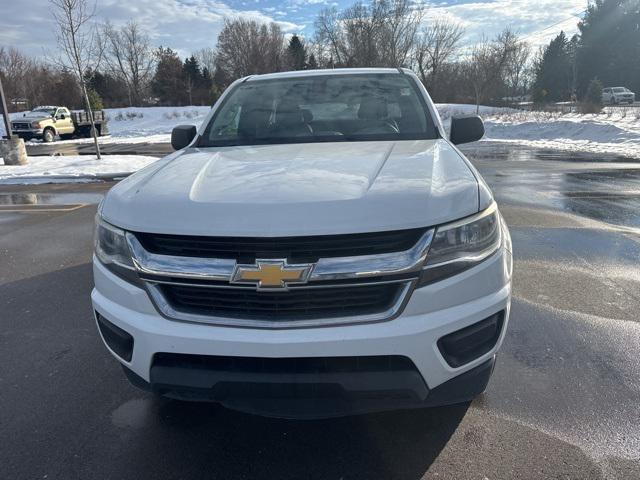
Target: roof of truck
pixel 335 71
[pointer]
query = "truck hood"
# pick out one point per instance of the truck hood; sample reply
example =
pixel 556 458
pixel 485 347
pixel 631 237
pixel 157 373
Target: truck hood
pixel 297 189
pixel 31 117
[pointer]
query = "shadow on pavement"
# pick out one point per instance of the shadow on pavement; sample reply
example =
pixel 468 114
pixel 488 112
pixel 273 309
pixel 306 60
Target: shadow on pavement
pixel 196 439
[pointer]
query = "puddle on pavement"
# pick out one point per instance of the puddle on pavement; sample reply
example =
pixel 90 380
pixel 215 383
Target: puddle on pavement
pixel 610 195
pixel 50 198
pixel 488 150
pixel 135 413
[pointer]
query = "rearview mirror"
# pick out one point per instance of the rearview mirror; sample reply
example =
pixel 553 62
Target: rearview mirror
pixel 182 135
pixel 466 128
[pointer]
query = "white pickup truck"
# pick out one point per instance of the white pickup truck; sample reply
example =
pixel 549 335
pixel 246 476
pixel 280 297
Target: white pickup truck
pixel 318 247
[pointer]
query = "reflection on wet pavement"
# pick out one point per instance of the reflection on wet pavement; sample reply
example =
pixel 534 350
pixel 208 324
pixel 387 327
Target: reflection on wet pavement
pixel 26 198
pixel 595 186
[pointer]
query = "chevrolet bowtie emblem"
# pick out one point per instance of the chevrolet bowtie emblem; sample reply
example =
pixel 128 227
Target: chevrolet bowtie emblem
pixel 271 274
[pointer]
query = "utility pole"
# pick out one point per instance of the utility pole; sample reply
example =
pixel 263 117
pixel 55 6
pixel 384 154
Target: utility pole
pixel 12 149
pixel 5 113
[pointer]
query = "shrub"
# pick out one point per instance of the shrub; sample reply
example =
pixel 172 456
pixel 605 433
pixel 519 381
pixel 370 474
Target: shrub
pixel 592 102
pixel 95 101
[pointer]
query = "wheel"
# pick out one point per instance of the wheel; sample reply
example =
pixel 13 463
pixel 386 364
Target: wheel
pixel 48 135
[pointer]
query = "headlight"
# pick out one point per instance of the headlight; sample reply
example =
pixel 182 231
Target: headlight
pixel 35 124
pixel 112 250
pixel 461 245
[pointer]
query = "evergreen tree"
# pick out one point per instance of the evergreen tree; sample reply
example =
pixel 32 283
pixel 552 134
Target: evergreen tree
pixel 296 54
pixel 193 78
pixel 610 44
pixel 553 72
pixel 593 99
pixel 312 64
pixel 95 101
pixel 168 81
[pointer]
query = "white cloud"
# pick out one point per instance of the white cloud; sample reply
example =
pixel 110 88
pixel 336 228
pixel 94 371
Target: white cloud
pixel 529 19
pixel 184 25
pixel 188 25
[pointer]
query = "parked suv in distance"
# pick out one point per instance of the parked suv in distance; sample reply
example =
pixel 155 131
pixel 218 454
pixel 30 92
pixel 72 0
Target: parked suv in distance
pixel 616 95
pixel 318 247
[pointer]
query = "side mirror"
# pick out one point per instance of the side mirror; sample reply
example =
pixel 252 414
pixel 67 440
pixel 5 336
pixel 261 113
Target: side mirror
pixel 62 116
pixel 466 128
pixel 182 135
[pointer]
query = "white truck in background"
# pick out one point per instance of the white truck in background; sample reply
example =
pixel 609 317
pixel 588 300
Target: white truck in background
pixel 48 122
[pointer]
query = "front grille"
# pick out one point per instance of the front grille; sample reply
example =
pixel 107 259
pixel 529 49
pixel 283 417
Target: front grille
pixel 295 304
pixel 294 249
pixel 21 126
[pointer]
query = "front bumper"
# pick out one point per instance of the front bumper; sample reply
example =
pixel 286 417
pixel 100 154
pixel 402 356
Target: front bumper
pixel 28 134
pixel 432 312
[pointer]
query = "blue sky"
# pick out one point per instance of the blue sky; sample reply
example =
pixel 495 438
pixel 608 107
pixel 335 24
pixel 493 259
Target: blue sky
pixel 188 25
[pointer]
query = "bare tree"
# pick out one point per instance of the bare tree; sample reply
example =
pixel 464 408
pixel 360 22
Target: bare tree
pixel 436 45
pixel 246 47
pixel 328 40
pixel 399 30
pixel 486 67
pixel 129 56
pixel 518 68
pixel 76 39
pixel 379 34
pixel 207 58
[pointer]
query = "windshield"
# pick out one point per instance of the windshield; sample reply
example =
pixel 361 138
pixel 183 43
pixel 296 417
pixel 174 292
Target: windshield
pixel 320 109
pixel 620 90
pixel 46 110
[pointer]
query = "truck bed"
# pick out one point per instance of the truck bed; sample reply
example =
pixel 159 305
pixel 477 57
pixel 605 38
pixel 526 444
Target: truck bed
pixel 81 118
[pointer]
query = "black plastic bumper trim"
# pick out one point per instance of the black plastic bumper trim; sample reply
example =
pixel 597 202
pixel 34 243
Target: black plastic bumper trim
pixel 118 340
pixel 294 396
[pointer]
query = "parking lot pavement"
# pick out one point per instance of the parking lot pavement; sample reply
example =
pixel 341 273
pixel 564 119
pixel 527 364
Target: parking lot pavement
pixel 563 403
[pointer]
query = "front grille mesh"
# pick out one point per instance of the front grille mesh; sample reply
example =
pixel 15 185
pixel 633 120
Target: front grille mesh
pixel 295 304
pixel 294 249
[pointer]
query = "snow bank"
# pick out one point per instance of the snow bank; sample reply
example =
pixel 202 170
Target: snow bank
pixel 65 169
pixel 615 131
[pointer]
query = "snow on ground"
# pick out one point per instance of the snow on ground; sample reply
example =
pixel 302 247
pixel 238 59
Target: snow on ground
pixel 616 131
pixel 64 169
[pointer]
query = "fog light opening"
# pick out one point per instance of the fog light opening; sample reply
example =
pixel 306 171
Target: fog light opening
pixel 465 345
pixel 119 341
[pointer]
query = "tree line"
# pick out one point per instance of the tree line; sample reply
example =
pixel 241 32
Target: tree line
pixel 127 70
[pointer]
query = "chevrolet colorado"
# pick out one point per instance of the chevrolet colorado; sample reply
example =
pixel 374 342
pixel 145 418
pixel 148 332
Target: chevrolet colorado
pixel 318 247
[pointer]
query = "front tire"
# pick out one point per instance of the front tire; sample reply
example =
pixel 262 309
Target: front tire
pixel 48 135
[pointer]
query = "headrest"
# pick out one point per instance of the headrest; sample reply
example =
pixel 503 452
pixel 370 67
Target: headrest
pixel 372 108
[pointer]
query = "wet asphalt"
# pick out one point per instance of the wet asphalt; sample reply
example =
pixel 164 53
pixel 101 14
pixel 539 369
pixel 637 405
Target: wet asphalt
pixel 563 402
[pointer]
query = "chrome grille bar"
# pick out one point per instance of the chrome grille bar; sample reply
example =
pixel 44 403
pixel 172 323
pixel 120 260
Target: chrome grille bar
pixel 342 268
